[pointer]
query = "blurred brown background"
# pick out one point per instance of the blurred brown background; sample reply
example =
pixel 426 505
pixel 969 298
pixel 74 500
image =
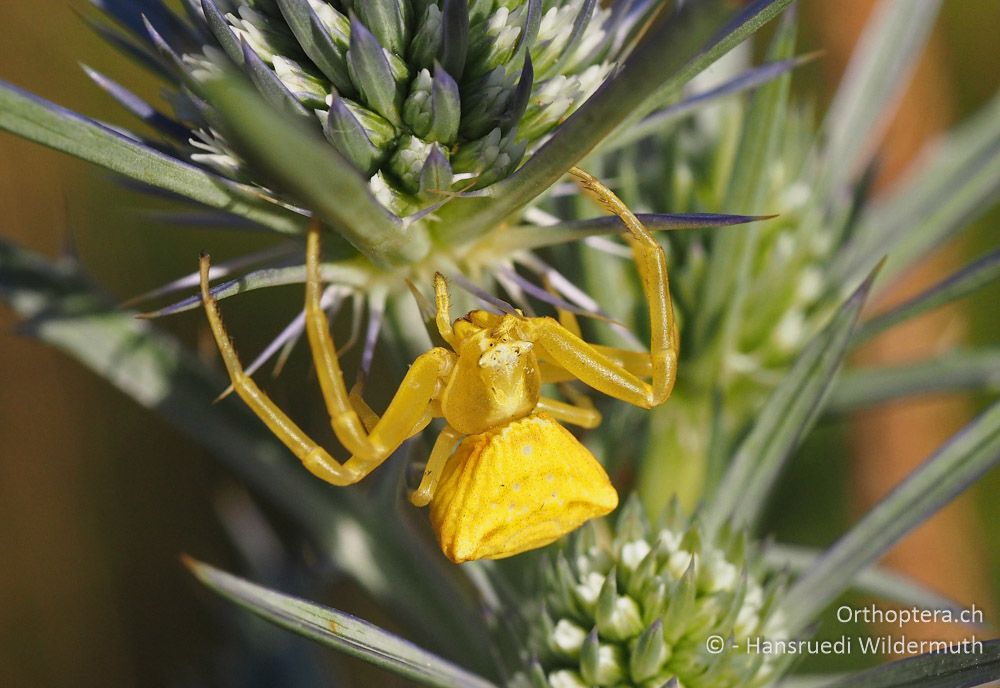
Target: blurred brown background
pixel 98 497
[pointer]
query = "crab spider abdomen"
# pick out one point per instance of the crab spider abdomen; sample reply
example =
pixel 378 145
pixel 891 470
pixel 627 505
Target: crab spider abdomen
pixel 515 488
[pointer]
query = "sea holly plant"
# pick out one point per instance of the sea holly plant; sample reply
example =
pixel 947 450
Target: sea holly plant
pixel 432 137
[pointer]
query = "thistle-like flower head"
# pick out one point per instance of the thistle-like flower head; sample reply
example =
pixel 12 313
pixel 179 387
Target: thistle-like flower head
pixel 420 96
pixel 651 606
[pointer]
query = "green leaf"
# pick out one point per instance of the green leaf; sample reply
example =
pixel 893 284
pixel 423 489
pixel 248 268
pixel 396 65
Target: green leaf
pixel 872 580
pixel 376 547
pixel 964 282
pixel 955 371
pixel 937 670
pixel 879 71
pixel 762 128
pixel 350 273
pixel 530 237
pixel 722 298
pixel 785 417
pixel 313 171
pixel 338 630
pixel 752 78
pixel 50 125
pixel 677 47
pixel 953 468
pixel 953 182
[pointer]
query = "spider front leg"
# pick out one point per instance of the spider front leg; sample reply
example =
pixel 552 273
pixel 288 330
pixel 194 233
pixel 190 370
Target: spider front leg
pixel 407 413
pixel 608 370
pixel 651 263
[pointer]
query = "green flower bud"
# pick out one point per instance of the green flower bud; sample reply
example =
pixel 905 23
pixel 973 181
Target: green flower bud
pixel 389 21
pixel 600 664
pixel 369 67
pixel 567 639
pixel 649 654
pixel 446 71
pixel 618 616
pixel 407 163
pixel 435 175
pixel 427 39
pixel 307 89
pixel 650 620
pixel 433 108
pixel 358 133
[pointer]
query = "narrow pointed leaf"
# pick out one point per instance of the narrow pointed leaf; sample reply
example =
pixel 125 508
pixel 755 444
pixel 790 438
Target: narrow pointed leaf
pixel 876 77
pixel 722 298
pixel 785 416
pixel 133 14
pixel 314 172
pixel 140 108
pixel 140 54
pixel 956 371
pixel 936 670
pixel 163 47
pixel 338 630
pixel 748 80
pixel 529 237
pixel 964 282
pixel 946 474
pixel 518 102
pixel 62 309
pixel 48 124
pixel 348 273
pixel 954 181
pixel 191 280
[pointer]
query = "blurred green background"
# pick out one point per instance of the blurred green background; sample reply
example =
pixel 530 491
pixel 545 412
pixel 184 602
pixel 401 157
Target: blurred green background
pixel 99 497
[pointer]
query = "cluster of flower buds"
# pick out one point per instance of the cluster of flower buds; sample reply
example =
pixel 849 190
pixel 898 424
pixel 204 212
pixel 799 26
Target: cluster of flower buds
pixel 654 607
pixel 424 97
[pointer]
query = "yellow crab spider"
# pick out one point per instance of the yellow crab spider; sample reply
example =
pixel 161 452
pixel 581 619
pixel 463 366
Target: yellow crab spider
pixel 518 479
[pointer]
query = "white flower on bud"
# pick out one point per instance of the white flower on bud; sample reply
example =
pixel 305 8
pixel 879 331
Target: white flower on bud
pixel 717 574
pixel 564 678
pixel 679 562
pixel 790 332
pixel 590 589
pixel 567 638
pixel 633 553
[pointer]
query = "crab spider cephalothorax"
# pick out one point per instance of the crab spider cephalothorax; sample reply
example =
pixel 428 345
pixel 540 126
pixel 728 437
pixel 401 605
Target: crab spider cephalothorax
pixel 518 480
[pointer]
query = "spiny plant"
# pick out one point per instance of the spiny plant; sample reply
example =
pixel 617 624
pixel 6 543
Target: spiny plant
pixel 420 97
pixel 431 136
pixel 749 300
